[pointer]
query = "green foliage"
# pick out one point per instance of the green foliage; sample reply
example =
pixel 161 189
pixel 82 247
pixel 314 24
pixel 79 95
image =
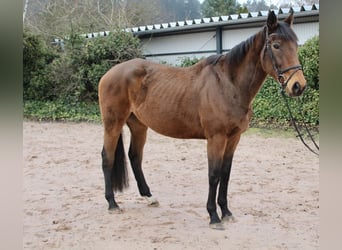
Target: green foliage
pixel 36 56
pixel 73 76
pixel 212 8
pixel 243 9
pixel 119 46
pixel 64 87
pixel 309 58
pixel 101 54
pixel 269 109
pixel 61 111
pixel 188 61
pixel 258 5
pixel 179 10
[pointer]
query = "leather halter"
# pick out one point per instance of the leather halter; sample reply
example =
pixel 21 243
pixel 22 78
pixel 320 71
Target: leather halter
pixel 280 72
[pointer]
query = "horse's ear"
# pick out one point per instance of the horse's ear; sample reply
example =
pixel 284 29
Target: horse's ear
pixel 289 19
pixel 272 21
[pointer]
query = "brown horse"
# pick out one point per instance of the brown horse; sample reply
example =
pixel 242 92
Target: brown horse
pixel 210 100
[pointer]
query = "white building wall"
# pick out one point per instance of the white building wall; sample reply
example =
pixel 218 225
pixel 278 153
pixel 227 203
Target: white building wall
pixel 179 43
pixel 306 31
pixel 231 38
pixel 206 41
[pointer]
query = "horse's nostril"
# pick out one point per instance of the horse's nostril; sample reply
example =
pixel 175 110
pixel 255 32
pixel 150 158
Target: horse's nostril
pixel 296 88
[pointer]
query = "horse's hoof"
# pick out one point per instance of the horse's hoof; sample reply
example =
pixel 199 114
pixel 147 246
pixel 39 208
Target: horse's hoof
pixel 229 218
pixel 115 210
pixel 151 201
pixel 217 226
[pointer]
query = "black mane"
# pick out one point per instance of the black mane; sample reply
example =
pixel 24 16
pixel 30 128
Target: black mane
pixel 239 51
pixel 213 59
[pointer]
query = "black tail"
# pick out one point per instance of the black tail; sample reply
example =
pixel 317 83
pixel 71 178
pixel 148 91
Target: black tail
pixel 119 171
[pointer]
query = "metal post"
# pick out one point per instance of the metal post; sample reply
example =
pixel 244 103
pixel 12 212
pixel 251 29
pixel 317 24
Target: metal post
pixel 219 40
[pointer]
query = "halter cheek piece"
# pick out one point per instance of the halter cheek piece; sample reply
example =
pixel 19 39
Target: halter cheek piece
pixel 280 72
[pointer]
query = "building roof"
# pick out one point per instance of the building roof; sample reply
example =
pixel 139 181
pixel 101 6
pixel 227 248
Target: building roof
pixel 305 13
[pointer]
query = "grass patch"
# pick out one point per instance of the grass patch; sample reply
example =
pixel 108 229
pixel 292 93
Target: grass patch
pixel 282 133
pixel 271 132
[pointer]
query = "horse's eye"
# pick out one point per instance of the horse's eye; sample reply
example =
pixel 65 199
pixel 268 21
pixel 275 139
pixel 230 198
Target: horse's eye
pixel 276 45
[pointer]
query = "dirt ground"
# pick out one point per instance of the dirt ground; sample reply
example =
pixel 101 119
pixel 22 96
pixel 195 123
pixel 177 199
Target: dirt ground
pixel 273 194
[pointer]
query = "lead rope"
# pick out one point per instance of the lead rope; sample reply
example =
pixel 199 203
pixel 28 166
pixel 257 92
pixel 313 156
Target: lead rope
pixel 296 126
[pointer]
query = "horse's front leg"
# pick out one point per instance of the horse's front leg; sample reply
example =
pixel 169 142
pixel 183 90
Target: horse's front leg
pixel 225 175
pixel 223 189
pixel 215 149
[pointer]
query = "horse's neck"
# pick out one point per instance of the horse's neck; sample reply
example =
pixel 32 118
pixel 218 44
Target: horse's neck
pixel 250 70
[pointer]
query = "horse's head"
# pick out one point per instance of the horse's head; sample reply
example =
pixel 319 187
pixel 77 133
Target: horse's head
pixel 279 58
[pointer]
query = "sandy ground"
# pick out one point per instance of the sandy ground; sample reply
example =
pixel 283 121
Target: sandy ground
pixel 273 194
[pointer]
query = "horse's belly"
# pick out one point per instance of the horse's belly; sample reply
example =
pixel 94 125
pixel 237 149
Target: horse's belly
pixel 179 126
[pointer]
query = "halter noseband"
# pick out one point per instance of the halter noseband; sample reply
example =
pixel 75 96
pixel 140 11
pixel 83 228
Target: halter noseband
pixel 280 72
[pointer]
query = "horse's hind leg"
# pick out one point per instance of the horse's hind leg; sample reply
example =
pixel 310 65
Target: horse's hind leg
pixel 107 162
pixel 113 155
pixel 135 154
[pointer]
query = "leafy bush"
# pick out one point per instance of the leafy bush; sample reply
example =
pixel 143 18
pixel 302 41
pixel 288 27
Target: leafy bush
pixel 269 109
pixel 73 76
pixel 187 61
pixel 309 58
pixel 101 54
pixel 61 111
pixel 63 86
pixel 36 57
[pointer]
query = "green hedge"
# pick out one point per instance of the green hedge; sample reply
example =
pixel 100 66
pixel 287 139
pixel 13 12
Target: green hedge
pixel 61 83
pixel 73 74
pixel 61 111
pixel 269 109
pixel 36 56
